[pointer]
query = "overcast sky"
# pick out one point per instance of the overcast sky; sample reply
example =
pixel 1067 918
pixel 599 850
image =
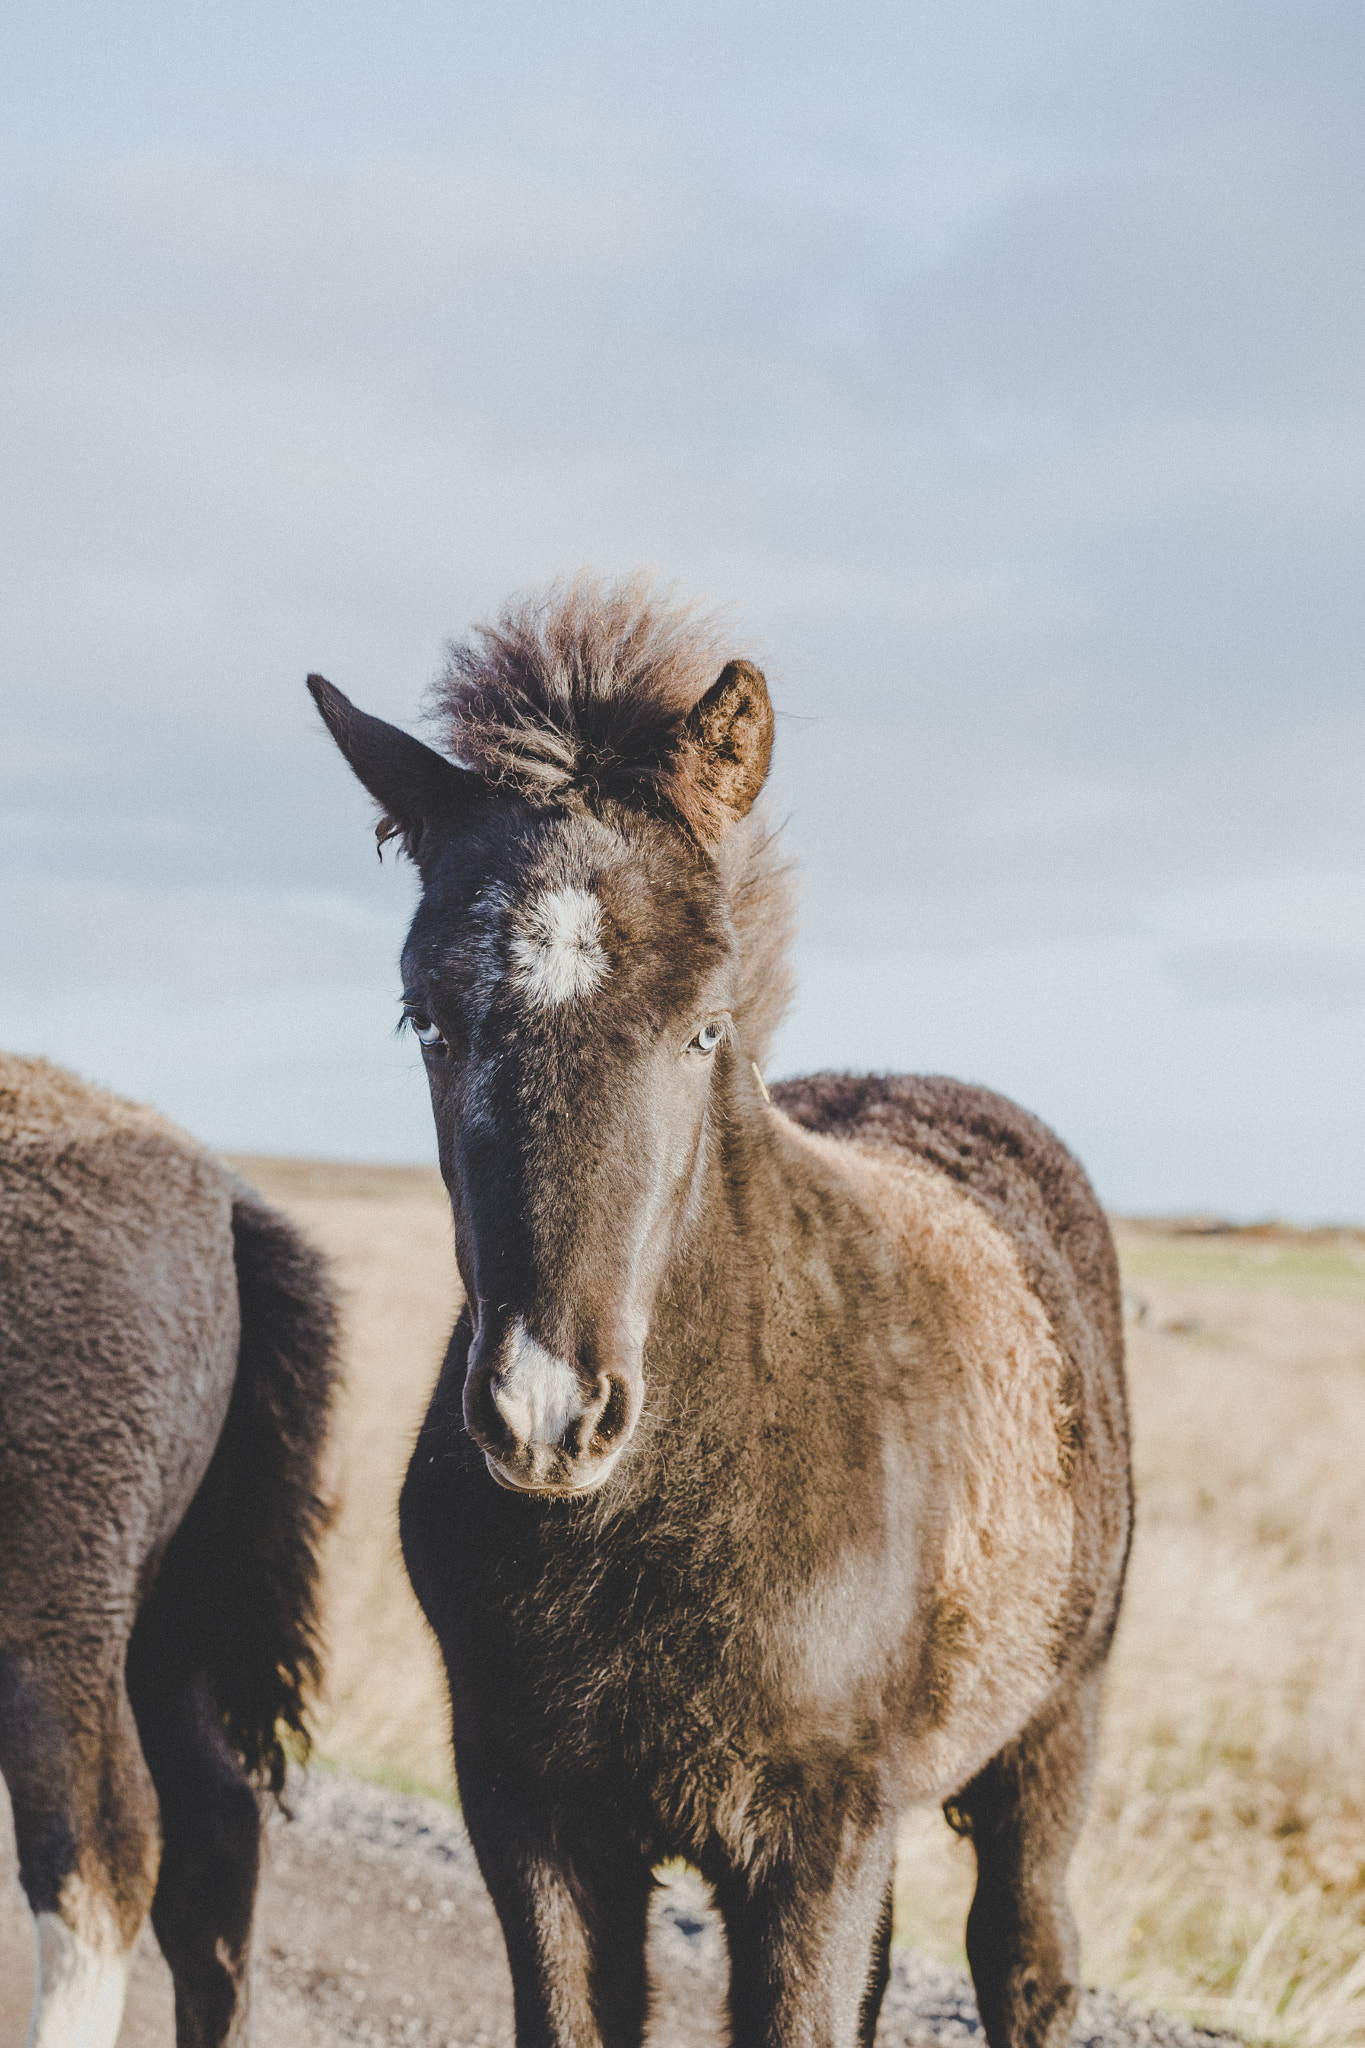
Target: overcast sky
pixel 1001 369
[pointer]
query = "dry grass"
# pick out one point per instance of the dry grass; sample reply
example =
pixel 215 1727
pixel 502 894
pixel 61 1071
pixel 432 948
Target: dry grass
pixel 387 1232
pixel 1222 1871
pixel 1223 1868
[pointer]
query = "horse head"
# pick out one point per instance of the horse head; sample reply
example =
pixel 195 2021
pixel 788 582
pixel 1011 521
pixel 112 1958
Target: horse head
pixel 577 982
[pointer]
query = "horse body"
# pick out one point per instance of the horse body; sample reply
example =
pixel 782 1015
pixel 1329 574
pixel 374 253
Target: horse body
pixel 890 1541
pixel 776 1477
pixel 804 1606
pixel 158 1326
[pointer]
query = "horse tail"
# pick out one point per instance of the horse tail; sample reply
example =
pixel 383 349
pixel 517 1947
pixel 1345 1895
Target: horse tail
pixel 270 1508
pixel 235 1600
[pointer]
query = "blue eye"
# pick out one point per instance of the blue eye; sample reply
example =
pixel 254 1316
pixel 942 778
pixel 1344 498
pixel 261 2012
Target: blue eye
pixel 709 1037
pixel 425 1031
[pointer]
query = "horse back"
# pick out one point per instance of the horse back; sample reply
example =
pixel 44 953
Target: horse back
pixel 1009 1162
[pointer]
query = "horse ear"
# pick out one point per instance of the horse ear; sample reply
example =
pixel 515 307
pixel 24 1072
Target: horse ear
pixel 727 745
pixel 418 788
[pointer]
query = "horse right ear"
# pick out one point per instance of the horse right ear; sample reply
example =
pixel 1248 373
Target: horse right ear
pixel 418 789
pixel 726 745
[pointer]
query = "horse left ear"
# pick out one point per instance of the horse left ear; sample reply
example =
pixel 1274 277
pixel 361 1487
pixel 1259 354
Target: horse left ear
pixel 727 744
pixel 419 790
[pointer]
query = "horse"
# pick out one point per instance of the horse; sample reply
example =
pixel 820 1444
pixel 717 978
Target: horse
pixel 776 1478
pixel 166 1364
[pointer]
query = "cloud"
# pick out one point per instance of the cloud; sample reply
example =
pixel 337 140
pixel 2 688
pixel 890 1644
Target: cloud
pixel 68 940
pixel 1000 371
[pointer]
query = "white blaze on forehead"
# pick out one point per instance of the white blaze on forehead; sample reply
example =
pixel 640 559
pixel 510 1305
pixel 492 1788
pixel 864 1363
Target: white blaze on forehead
pixel 536 1394
pixel 557 955
pixel 82 1978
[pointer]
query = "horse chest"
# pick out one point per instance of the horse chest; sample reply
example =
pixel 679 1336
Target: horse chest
pixel 701 1675
pixel 690 1681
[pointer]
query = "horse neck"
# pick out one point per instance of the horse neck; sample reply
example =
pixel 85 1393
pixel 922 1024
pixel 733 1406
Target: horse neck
pixel 704 1355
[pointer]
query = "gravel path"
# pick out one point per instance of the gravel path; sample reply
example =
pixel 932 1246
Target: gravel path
pixel 374 1926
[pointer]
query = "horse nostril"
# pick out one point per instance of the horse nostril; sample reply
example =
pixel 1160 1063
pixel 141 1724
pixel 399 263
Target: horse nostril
pixel 483 1415
pixel 614 1415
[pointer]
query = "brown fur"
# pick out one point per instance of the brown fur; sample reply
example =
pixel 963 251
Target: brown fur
pixel 777 1474
pixel 1029 1184
pixel 165 1372
pixel 986 1388
pixel 581 693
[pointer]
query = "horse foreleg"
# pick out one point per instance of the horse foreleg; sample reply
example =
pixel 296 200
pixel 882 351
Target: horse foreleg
pixel 809 1934
pixel 86 1831
pixel 573 1900
pixel 1023 1814
pixel 209 1862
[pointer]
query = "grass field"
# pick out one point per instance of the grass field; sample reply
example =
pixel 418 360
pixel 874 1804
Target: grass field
pixel 1222 1872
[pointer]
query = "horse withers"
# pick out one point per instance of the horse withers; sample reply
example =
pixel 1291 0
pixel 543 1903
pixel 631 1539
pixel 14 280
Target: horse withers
pixel 165 1372
pixel 777 1475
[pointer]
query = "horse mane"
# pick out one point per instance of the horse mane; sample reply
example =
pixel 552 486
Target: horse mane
pixel 578 695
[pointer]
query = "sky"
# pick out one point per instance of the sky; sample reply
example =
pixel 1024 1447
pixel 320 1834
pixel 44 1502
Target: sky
pixel 1000 372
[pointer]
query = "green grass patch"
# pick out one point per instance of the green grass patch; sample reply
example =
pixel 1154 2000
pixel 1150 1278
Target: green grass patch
pixel 1320 1272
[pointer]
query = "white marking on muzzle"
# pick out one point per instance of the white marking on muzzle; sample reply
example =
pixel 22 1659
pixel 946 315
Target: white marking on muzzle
pixel 536 1394
pixel 82 1978
pixel 558 956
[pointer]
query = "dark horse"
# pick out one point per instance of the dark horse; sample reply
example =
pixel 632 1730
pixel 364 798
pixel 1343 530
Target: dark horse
pixel 777 1475
pixel 165 1375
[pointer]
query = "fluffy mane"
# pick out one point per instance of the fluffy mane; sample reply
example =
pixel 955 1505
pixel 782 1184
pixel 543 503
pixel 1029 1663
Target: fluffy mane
pixel 581 693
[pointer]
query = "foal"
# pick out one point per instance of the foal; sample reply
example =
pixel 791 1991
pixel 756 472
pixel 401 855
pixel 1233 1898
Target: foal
pixel 777 1475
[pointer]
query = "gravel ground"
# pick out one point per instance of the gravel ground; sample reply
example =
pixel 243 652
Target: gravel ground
pixel 373 1926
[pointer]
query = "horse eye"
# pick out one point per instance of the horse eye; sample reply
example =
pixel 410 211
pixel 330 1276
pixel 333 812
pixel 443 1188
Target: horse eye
pixel 427 1033
pixel 708 1038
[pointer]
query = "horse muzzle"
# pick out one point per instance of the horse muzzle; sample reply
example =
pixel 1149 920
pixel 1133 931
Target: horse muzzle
pixel 546 1424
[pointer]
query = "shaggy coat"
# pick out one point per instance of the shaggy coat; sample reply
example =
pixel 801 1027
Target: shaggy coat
pixel 777 1474
pixel 165 1373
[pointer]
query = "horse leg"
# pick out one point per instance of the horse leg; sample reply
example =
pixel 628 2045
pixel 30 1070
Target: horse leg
pixel 210 1857
pixel 573 1900
pixel 85 1825
pixel 1023 1814
pixel 809 1941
